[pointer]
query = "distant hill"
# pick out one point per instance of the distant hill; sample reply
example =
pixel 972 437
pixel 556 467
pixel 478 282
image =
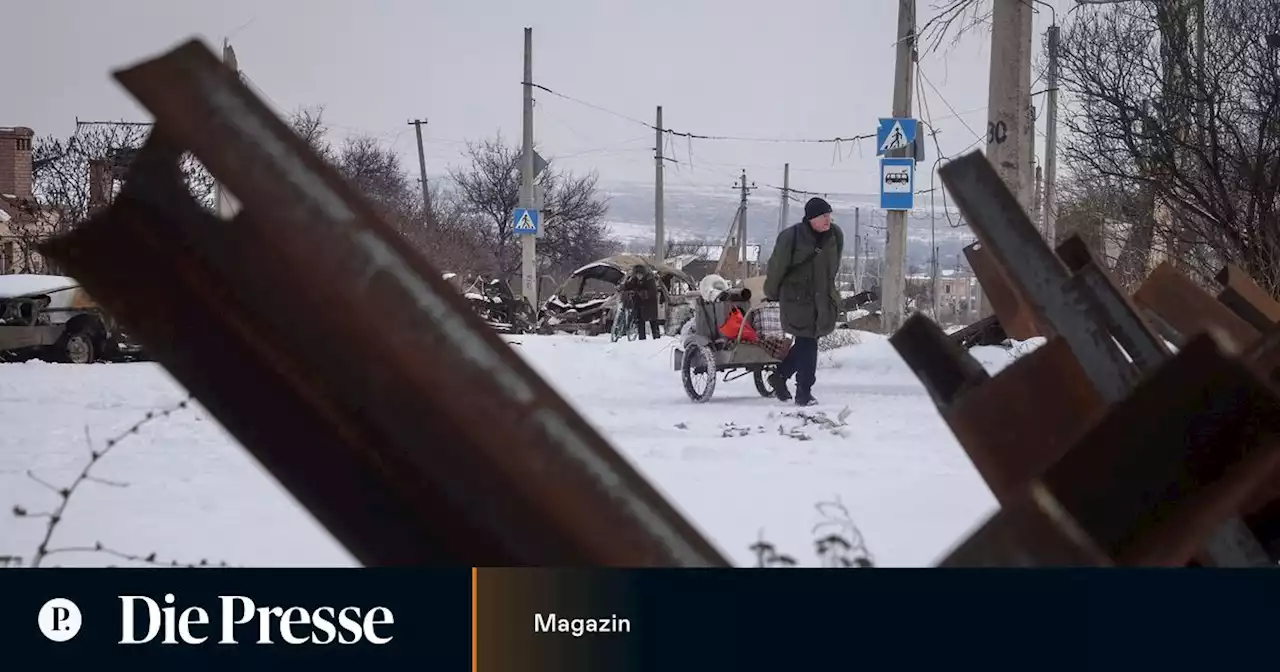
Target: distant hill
pixel 705 214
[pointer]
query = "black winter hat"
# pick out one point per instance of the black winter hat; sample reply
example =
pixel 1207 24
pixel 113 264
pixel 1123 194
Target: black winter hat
pixel 816 207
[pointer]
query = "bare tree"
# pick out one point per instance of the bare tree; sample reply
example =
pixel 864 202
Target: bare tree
pixel 953 19
pixel 676 248
pixel 62 180
pixel 1188 129
pixel 308 123
pixel 576 233
pixel 444 234
pixel 489 189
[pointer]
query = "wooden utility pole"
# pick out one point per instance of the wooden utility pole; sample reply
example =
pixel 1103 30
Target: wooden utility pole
pixel 528 242
pixel 1009 100
pixel 422 164
pixel 894 285
pixel 783 219
pixel 659 233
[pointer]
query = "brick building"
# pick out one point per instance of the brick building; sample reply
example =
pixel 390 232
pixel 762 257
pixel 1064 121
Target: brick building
pixel 20 219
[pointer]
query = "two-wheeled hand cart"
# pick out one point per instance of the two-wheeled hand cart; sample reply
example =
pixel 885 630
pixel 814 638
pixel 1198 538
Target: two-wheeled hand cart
pixel 705 352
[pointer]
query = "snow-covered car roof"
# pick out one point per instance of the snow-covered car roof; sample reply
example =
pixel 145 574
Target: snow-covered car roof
pixel 618 265
pixel 13 286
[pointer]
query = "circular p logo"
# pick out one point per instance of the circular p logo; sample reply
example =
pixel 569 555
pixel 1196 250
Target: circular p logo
pixel 59 619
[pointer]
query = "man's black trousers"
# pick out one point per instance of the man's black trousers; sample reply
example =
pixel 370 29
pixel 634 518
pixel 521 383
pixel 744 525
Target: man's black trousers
pixel 802 362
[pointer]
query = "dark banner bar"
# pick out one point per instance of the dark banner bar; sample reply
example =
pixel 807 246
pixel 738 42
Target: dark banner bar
pixel 237 619
pixel 509 620
pixel 873 619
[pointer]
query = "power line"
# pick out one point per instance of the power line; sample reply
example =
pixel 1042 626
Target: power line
pixel 80 123
pixel 702 136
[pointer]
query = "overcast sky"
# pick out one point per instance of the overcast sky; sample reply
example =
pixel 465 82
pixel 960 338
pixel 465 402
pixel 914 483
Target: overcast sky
pixel 751 68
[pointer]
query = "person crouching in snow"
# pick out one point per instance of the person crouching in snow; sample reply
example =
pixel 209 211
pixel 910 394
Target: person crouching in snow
pixel 642 288
pixel 801 277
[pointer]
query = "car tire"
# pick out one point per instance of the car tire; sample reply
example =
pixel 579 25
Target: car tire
pixel 78 348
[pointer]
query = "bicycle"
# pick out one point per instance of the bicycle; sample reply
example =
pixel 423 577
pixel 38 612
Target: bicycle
pixel 624 322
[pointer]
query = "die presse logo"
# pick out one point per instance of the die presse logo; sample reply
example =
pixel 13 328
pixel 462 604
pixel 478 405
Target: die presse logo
pixel 235 620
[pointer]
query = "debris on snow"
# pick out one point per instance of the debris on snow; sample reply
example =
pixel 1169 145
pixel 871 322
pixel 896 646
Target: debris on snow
pixel 836 427
pixel 731 429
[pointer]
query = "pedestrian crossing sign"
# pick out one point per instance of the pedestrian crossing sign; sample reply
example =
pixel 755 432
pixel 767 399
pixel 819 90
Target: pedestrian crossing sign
pixel 524 221
pixel 895 134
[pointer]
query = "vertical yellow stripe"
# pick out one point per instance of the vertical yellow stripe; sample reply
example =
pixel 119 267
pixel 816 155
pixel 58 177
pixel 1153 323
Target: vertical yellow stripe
pixel 474 619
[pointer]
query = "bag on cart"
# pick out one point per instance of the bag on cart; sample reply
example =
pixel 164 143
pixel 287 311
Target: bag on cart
pixel 734 324
pixel 767 320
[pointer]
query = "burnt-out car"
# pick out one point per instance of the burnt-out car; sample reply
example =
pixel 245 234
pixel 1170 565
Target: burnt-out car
pixel 588 299
pixel 52 317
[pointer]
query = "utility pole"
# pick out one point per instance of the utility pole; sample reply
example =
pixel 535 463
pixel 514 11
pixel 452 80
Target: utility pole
pixel 529 244
pixel 783 219
pixel 857 249
pixel 933 262
pixel 1009 100
pixel 422 164
pixel 895 251
pixel 742 224
pixel 659 233
pixel 223 202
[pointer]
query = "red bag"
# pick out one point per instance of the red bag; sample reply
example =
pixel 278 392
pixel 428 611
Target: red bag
pixel 734 323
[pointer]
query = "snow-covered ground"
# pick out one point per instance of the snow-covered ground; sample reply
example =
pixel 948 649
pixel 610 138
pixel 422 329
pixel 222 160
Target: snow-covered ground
pixel 193 493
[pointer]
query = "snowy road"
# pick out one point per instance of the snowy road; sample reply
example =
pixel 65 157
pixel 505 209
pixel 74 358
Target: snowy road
pixel 192 493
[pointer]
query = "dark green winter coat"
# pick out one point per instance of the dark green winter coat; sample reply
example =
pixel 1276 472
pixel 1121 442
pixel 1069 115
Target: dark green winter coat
pixel 802 279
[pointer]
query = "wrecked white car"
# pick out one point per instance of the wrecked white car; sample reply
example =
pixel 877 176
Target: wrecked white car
pixel 51 317
pixel 588 300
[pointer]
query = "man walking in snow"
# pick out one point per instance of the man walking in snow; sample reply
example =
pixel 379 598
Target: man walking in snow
pixel 802 279
pixel 643 289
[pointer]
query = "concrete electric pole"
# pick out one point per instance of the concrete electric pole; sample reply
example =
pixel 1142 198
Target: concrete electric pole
pixel 1009 127
pixel 894 286
pixel 422 164
pixel 659 233
pixel 528 242
pixel 857 249
pixel 783 214
pixel 1050 216
pixel 742 225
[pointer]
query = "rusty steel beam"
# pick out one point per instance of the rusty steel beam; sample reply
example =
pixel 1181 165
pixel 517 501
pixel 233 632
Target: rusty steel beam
pixel 1075 297
pixel 1246 299
pixel 1210 437
pixel 1122 317
pixel 421 436
pixel 1232 544
pixel 1025 534
pixel 1016 317
pixel 1026 418
pixel 1190 310
pixel 947 370
pixel 1013 425
pixel 1264 355
pixel 1062 308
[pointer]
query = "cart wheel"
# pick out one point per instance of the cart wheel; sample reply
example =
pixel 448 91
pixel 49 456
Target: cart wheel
pixel 761 377
pixel 698 371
